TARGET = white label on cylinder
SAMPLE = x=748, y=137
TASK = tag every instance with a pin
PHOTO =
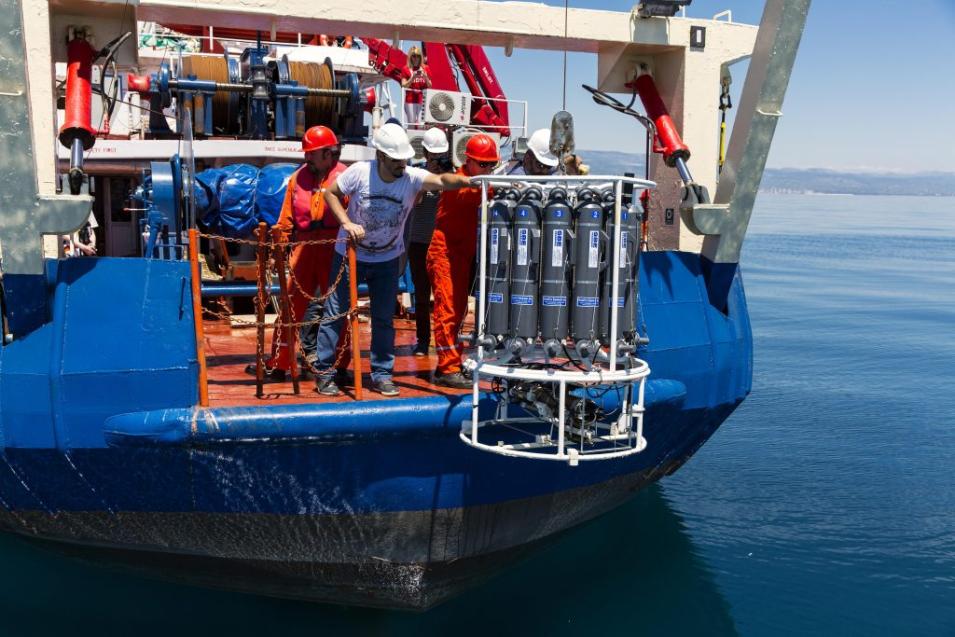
x=624, y=254
x=593, y=259
x=557, y=256
x=494, y=241
x=522, y=246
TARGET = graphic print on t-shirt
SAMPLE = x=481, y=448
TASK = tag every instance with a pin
x=380, y=207
x=380, y=218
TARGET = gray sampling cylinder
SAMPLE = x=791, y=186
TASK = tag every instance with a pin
x=629, y=268
x=590, y=259
x=525, y=265
x=497, y=303
x=556, y=223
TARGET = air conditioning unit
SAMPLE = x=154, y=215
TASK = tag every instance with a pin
x=447, y=107
x=459, y=140
x=416, y=137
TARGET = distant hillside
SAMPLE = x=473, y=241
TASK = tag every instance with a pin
x=830, y=181
x=603, y=162
x=814, y=180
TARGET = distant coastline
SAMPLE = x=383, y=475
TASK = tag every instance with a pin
x=810, y=181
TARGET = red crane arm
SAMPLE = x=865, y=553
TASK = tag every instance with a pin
x=471, y=61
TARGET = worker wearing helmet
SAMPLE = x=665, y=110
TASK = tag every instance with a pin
x=538, y=160
x=303, y=218
x=451, y=260
x=381, y=194
x=420, y=228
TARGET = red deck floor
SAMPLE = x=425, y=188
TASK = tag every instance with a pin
x=229, y=350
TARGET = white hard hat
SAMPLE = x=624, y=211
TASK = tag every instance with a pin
x=392, y=140
x=539, y=144
x=435, y=141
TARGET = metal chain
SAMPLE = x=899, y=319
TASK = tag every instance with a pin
x=344, y=348
x=254, y=242
x=322, y=297
x=225, y=314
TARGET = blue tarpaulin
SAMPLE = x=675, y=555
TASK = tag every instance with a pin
x=233, y=199
x=270, y=191
x=206, y=194
x=237, y=200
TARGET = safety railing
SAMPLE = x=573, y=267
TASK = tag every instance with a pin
x=270, y=251
x=552, y=397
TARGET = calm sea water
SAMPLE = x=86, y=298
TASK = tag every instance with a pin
x=824, y=505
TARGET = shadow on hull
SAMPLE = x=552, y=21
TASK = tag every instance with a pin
x=353, y=575
x=637, y=563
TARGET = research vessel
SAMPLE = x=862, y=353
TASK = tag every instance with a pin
x=129, y=432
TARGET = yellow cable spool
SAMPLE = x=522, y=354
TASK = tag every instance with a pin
x=319, y=110
x=216, y=69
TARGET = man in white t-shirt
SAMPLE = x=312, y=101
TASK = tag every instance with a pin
x=381, y=194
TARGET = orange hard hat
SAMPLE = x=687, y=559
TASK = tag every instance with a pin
x=482, y=147
x=318, y=137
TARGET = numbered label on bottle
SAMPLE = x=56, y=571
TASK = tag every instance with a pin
x=624, y=252
x=494, y=248
x=557, y=255
x=593, y=258
x=522, y=246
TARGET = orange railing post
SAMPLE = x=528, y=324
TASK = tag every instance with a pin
x=286, y=310
x=353, y=320
x=197, y=316
x=261, y=299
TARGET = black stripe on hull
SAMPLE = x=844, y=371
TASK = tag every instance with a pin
x=410, y=560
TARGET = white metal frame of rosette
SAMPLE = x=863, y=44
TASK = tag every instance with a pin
x=622, y=437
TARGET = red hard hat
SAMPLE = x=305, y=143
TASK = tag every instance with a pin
x=318, y=137
x=481, y=147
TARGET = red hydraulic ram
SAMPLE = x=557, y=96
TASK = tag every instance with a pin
x=77, y=133
x=675, y=152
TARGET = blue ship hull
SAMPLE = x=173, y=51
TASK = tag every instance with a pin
x=103, y=451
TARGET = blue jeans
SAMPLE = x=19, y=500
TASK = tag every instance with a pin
x=382, y=280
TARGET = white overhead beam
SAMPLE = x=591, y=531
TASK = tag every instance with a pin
x=518, y=24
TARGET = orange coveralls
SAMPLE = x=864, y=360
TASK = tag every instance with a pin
x=303, y=217
x=450, y=261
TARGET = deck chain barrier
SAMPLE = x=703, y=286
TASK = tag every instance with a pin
x=224, y=313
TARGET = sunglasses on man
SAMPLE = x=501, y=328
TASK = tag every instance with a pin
x=335, y=152
x=486, y=164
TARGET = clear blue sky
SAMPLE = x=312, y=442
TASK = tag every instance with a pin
x=873, y=87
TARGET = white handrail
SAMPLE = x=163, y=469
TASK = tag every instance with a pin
x=499, y=180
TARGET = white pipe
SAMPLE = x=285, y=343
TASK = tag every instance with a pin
x=640, y=412
x=623, y=423
x=595, y=376
x=515, y=453
x=479, y=319
x=561, y=401
x=614, y=286
x=475, y=404
x=497, y=180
